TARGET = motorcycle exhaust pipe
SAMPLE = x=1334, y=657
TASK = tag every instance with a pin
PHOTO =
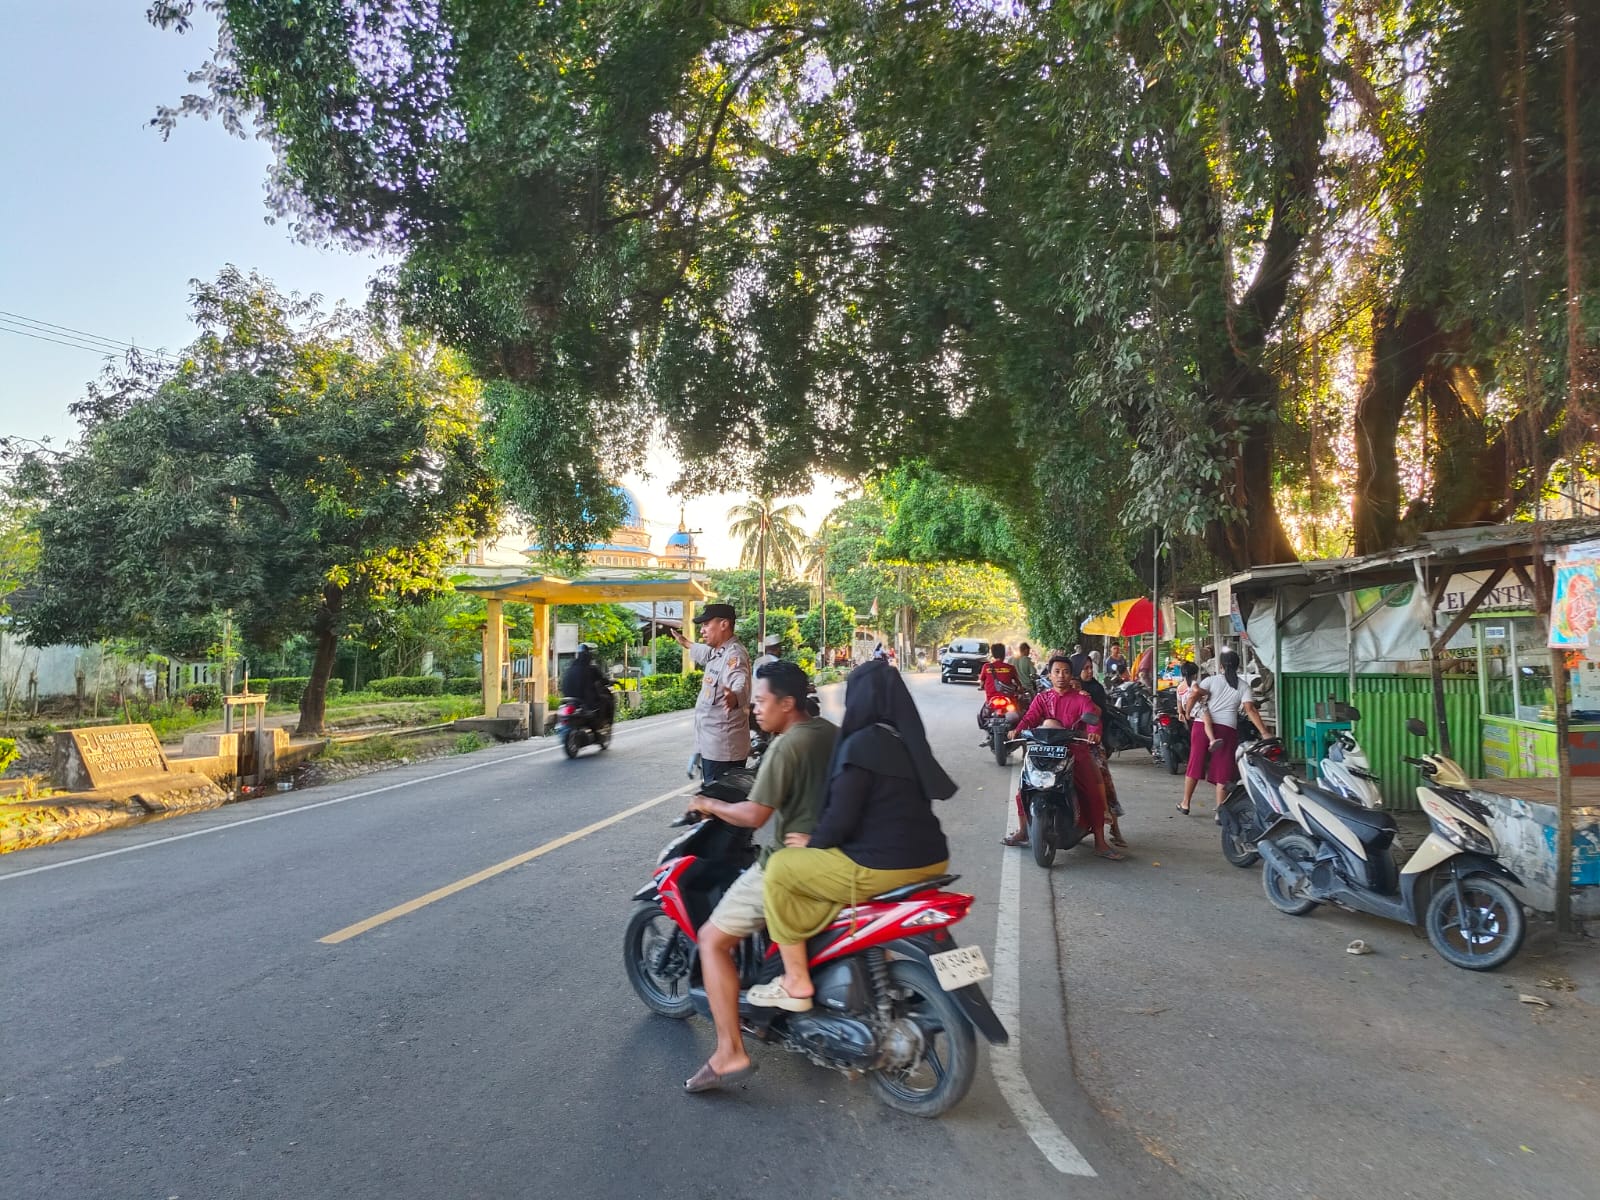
x=1283, y=864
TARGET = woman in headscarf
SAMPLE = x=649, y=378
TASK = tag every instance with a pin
x=877, y=830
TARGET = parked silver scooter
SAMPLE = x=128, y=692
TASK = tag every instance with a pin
x=1255, y=803
x=1346, y=769
x=1326, y=849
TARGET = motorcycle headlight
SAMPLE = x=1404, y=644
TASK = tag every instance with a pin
x=1454, y=830
x=1035, y=776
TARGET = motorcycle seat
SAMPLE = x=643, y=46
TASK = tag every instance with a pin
x=1371, y=825
x=916, y=889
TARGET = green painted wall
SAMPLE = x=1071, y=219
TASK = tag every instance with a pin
x=1385, y=702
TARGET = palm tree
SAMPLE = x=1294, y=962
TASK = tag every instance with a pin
x=770, y=535
x=815, y=570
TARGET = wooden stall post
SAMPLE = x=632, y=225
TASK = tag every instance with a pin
x=494, y=637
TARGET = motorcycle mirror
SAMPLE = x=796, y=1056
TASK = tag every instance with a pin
x=1416, y=728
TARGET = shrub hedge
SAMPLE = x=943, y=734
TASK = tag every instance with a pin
x=463, y=685
x=289, y=688
x=408, y=685
x=203, y=697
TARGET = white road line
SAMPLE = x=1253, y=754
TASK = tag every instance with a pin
x=287, y=812
x=1006, y=1061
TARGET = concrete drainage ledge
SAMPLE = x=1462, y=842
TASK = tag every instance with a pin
x=28, y=823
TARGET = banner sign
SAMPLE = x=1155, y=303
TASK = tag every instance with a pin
x=1576, y=598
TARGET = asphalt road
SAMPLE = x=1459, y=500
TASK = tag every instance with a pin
x=206, y=1008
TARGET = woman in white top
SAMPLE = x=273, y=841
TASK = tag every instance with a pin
x=1225, y=696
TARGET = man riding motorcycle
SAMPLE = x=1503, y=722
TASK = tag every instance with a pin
x=793, y=782
x=1065, y=706
x=584, y=682
x=999, y=678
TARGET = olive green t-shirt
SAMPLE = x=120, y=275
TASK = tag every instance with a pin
x=793, y=780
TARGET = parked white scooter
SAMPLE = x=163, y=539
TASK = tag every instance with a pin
x=1346, y=769
x=1256, y=801
x=1326, y=849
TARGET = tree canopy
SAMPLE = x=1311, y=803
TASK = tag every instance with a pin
x=292, y=469
x=1108, y=263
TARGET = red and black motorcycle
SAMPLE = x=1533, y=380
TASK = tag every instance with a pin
x=897, y=999
x=997, y=717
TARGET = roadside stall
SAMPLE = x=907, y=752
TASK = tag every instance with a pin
x=1456, y=630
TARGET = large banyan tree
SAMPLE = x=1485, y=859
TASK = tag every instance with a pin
x=1075, y=256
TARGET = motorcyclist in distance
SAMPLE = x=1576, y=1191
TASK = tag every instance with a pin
x=586, y=683
x=999, y=678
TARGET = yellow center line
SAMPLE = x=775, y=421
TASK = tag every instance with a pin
x=461, y=885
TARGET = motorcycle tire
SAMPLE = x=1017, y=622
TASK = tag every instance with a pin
x=941, y=1077
x=603, y=739
x=569, y=743
x=997, y=743
x=665, y=988
x=1300, y=848
x=1495, y=913
x=1175, y=763
x=1042, y=836
x=1235, y=841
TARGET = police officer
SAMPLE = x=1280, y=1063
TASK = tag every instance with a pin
x=722, y=712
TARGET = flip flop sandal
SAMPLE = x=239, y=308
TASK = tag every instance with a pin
x=1117, y=841
x=1181, y=809
x=707, y=1080
x=1015, y=839
x=772, y=995
x=1111, y=856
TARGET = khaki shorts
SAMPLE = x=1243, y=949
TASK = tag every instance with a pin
x=742, y=911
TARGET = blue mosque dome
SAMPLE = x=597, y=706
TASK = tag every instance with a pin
x=681, y=544
x=631, y=517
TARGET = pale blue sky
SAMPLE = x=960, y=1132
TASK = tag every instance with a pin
x=102, y=224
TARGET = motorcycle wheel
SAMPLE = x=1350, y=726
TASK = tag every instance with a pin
x=1235, y=840
x=604, y=738
x=656, y=955
x=569, y=743
x=1493, y=921
x=1175, y=764
x=1041, y=836
x=997, y=743
x=937, y=1081
x=1300, y=848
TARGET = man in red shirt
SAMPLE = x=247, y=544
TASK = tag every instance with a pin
x=1065, y=705
x=998, y=676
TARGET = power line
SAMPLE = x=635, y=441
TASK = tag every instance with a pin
x=39, y=337
x=67, y=335
x=49, y=326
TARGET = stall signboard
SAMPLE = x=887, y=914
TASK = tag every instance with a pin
x=1497, y=750
x=1575, y=600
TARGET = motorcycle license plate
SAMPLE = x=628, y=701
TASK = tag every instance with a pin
x=1037, y=751
x=958, y=968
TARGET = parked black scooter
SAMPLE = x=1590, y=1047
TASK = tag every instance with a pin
x=1169, y=735
x=1125, y=725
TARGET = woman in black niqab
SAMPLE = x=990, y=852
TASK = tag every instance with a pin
x=882, y=731
x=877, y=830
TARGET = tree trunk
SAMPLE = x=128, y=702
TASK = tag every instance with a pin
x=325, y=630
x=1256, y=536
x=761, y=636
x=1401, y=348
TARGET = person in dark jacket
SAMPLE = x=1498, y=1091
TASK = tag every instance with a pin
x=877, y=830
x=584, y=682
